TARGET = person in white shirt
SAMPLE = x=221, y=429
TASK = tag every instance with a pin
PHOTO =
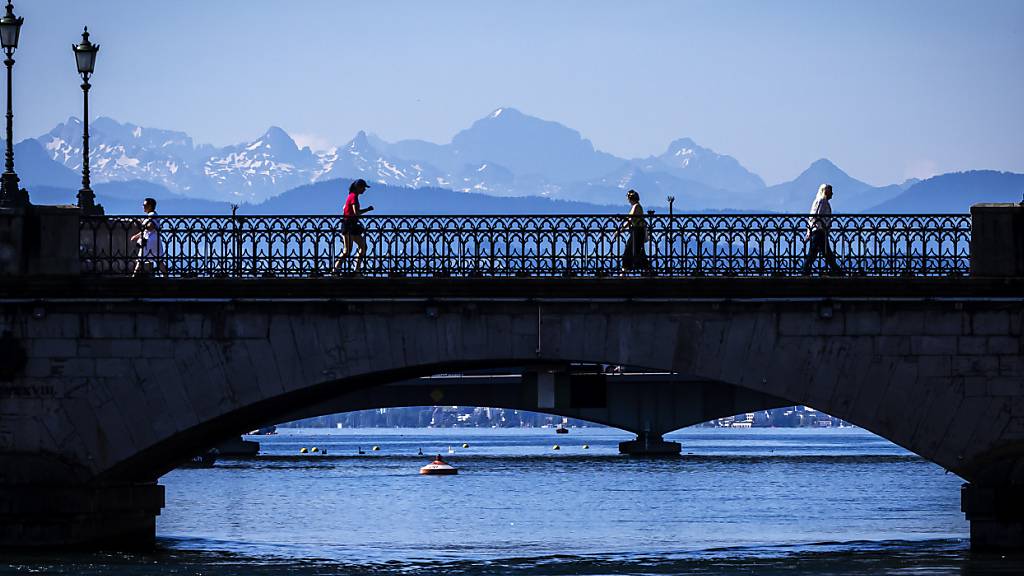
x=817, y=232
x=147, y=239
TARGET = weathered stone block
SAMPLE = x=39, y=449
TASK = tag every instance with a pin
x=948, y=322
x=810, y=323
x=975, y=385
x=150, y=326
x=70, y=367
x=1002, y=386
x=157, y=348
x=1014, y=429
x=892, y=345
x=975, y=366
x=1004, y=345
x=249, y=325
x=972, y=345
x=54, y=325
x=114, y=368
x=933, y=345
x=1011, y=366
x=188, y=325
x=994, y=322
x=38, y=367
x=903, y=322
x=52, y=347
x=110, y=325
x=956, y=443
x=110, y=348
x=866, y=322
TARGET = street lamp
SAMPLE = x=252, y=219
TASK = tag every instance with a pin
x=85, y=58
x=10, y=31
x=671, y=201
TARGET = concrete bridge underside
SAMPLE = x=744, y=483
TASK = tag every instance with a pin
x=103, y=392
x=649, y=405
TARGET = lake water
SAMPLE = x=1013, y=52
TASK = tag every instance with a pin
x=758, y=501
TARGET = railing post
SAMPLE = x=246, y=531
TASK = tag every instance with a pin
x=997, y=240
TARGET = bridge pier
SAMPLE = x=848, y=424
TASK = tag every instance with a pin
x=121, y=516
x=996, y=514
x=649, y=444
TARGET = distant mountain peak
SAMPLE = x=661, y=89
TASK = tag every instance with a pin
x=683, y=143
x=506, y=111
x=360, y=142
x=276, y=138
x=823, y=164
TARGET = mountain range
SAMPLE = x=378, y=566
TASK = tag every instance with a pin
x=505, y=154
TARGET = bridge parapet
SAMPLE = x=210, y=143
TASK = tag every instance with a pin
x=997, y=241
x=52, y=240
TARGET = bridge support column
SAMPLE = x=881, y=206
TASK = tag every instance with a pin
x=996, y=515
x=119, y=517
x=238, y=447
x=649, y=444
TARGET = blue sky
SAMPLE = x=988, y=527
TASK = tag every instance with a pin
x=886, y=89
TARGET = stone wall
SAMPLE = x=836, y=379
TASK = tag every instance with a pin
x=124, y=390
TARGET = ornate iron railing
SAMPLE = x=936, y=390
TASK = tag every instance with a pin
x=588, y=245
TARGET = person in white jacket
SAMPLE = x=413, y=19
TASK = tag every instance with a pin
x=817, y=232
x=147, y=240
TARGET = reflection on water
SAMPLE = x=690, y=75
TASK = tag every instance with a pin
x=739, y=501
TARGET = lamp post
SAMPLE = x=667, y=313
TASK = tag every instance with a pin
x=10, y=31
x=671, y=200
x=85, y=58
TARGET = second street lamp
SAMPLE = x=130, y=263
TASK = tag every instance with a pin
x=10, y=32
x=85, y=59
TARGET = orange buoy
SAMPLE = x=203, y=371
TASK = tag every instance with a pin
x=439, y=468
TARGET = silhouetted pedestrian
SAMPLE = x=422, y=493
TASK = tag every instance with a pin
x=351, y=229
x=817, y=232
x=147, y=240
x=634, y=257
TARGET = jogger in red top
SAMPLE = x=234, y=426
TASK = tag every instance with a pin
x=351, y=229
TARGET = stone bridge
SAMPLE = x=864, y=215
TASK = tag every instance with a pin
x=108, y=383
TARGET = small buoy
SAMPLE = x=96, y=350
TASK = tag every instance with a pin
x=556, y=447
x=324, y=451
x=439, y=468
x=586, y=446
x=465, y=444
x=315, y=449
x=303, y=450
x=375, y=448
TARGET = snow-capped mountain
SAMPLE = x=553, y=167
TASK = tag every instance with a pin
x=685, y=159
x=119, y=152
x=506, y=153
x=262, y=168
x=359, y=159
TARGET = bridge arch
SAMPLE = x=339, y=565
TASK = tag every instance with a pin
x=150, y=382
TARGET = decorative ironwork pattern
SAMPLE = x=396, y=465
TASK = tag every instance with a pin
x=530, y=245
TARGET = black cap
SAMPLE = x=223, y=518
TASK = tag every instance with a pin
x=357, y=185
